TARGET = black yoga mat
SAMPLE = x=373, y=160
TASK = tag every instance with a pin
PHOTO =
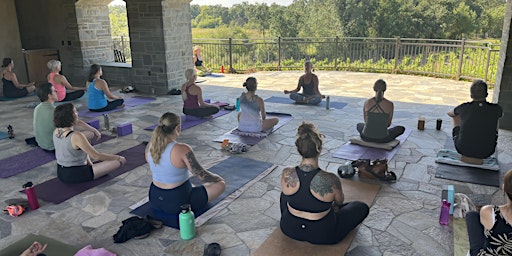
x=468, y=174
x=236, y=171
x=56, y=191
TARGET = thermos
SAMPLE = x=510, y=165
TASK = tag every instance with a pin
x=444, y=216
x=31, y=195
x=107, y=123
x=238, y=104
x=10, y=132
x=328, y=102
x=187, y=224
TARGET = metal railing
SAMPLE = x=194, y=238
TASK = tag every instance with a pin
x=122, y=50
x=457, y=59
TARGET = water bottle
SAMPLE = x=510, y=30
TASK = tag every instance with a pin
x=238, y=104
x=187, y=224
x=31, y=195
x=10, y=132
x=444, y=217
x=107, y=124
x=328, y=103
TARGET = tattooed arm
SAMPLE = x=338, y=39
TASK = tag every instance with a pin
x=325, y=183
x=289, y=181
x=196, y=169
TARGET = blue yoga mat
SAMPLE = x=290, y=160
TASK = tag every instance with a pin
x=236, y=171
x=284, y=100
x=128, y=102
x=3, y=135
x=351, y=151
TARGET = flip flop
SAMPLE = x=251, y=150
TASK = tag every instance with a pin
x=212, y=249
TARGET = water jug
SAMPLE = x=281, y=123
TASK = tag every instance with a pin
x=444, y=216
x=187, y=224
x=107, y=123
x=31, y=195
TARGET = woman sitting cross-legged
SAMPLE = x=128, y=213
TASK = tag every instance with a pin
x=312, y=200
x=99, y=92
x=60, y=83
x=489, y=231
x=193, y=103
x=252, y=116
x=11, y=87
x=378, y=114
x=74, y=152
x=309, y=85
x=171, y=163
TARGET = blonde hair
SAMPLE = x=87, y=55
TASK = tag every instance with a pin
x=190, y=73
x=507, y=184
x=196, y=48
x=379, y=87
x=309, y=141
x=166, y=126
x=53, y=64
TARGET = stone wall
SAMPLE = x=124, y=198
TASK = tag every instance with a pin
x=503, y=90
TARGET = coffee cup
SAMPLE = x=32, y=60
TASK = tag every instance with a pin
x=421, y=123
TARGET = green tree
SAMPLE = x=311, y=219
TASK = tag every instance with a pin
x=462, y=22
x=118, y=20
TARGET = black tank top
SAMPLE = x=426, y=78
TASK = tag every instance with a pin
x=303, y=200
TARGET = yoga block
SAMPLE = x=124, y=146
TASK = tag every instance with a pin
x=124, y=129
x=94, y=123
x=449, y=194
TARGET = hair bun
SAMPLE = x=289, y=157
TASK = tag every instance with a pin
x=245, y=84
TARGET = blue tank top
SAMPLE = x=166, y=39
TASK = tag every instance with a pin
x=303, y=200
x=96, y=98
x=164, y=171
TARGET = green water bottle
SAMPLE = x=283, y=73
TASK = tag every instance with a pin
x=187, y=224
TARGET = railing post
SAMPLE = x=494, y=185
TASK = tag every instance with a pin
x=122, y=45
x=489, y=49
x=231, y=55
x=461, y=58
x=336, y=54
x=278, y=53
x=397, y=52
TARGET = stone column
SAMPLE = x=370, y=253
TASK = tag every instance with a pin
x=161, y=43
x=503, y=86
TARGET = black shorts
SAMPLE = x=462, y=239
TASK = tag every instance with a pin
x=75, y=174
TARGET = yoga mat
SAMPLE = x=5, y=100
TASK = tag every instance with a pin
x=284, y=100
x=239, y=174
x=54, y=248
x=468, y=174
x=213, y=75
x=452, y=157
x=31, y=159
x=191, y=121
x=56, y=191
x=460, y=237
x=3, y=135
x=128, y=102
x=252, y=140
x=279, y=244
x=351, y=151
x=3, y=98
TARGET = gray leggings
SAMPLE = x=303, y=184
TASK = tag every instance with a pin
x=300, y=97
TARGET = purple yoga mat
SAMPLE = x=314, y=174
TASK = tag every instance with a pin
x=351, y=151
x=249, y=140
x=128, y=102
x=190, y=121
x=31, y=159
x=56, y=191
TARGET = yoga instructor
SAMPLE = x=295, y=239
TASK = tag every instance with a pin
x=171, y=164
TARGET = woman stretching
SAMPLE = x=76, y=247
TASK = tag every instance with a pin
x=192, y=95
x=12, y=88
x=74, y=152
x=171, y=163
x=312, y=201
x=378, y=114
x=252, y=117
x=99, y=92
x=60, y=83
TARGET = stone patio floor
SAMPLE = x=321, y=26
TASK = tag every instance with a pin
x=403, y=219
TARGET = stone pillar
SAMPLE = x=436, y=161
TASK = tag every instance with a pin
x=503, y=86
x=161, y=43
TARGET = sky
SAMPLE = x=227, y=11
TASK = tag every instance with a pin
x=226, y=3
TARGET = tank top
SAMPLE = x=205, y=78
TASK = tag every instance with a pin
x=250, y=115
x=308, y=89
x=303, y=200
x=66, y=155
x=8, y=85
x=59, y=88
x=376, y=125
x=164, y=171
x=198, y=62
x=96, y=98
x=497, y=239
x=191, y=102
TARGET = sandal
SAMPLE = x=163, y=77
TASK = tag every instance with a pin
x=212, y=249
x=376, y=169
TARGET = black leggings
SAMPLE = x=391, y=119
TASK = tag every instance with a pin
x=110, y=105
x=15, y=92
x=201, y=111
x=73, y=95
x=475, y=232
x=329, y=230
x=75, y=174
x=393, y=132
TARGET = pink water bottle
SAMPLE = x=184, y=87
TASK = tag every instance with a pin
x=31, y=195
x=444, y=217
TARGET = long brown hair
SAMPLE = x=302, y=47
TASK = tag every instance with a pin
x=166, y=126
x=309, y=141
